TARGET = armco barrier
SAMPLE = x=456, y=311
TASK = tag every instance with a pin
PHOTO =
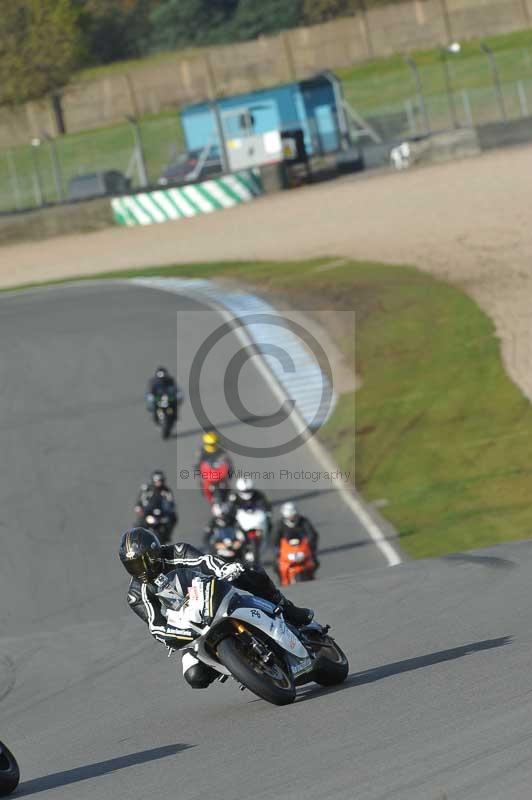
x=181, y=202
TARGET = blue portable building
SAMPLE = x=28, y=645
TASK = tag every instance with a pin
x=314, y=106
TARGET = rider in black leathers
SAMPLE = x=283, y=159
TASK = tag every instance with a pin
x=247, y=497
x=156, y=494
x=162, y=383
x=146, y=560
x=222, y=516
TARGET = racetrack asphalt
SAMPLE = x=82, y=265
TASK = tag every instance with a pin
x=438, y=702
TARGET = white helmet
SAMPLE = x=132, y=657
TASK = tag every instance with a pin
x=244, y=488
x=289, y=514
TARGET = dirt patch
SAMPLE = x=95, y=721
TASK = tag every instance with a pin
x=467, y=222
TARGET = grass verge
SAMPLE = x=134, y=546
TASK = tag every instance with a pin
x=442, y=434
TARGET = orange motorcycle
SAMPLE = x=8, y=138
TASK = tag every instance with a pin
x=296, y=562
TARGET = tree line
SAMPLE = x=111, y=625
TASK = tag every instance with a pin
x=43, y=42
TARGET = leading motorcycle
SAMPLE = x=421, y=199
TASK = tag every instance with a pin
x=9, y=771
x=166, y=413
x=247, y=638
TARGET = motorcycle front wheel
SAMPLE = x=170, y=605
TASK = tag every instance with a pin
x=332, y=666
x=166, y=427
x=271, y=680
x=9, y=771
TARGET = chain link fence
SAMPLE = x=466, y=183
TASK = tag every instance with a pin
x=413, y=99
x=41, y=173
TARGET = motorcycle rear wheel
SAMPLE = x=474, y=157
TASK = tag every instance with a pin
x=9, y=771
x=272, y=682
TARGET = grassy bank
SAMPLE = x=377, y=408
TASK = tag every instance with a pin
x=442, y=435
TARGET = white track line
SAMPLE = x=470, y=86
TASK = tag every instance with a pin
x=374, y=532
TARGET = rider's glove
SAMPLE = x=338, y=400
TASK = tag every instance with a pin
x=230, y=572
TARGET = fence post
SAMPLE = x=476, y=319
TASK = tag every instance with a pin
x=366, y=29
x=523, y=99
x=409, y=108
x=289, y=53
x=56, y=169
x=448, y=88
x=132, y=96
x=419, y=88
x=37, y=182
x=446, y=21
x=496, y=78
x=467, y=108
x=211, y=78
x=15, y=186
x=216, y=112
x=139, y=152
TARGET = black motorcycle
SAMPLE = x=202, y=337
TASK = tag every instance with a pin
x=166, y=413
x=161, y=521
x=229, y=543
x=9, y=771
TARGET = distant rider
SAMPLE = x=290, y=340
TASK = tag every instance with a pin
x=246, y=497
x=212, y=457
x=212, y=452
x=157, y=494
x=162, y=383
x=293, y=524
x=222, y=516
x=147, y=561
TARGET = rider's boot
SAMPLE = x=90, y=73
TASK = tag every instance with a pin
x=257, y=581
x=295, y=615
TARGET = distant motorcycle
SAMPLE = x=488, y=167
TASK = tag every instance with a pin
x=215, y=480
x=160, y=521
x=254, y=524
x=166, y=414
x=296, y=562
x=9, y=771
x=229, y=543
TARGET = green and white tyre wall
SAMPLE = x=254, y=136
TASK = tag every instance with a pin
x=148, y=208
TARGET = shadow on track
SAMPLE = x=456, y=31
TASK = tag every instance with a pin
x=295, y=498
x=408, y=665
x=220, y=426
x=69, y=776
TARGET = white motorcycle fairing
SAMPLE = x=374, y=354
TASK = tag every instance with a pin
x=195, y=612
x=252, y=520
x=275, y=629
